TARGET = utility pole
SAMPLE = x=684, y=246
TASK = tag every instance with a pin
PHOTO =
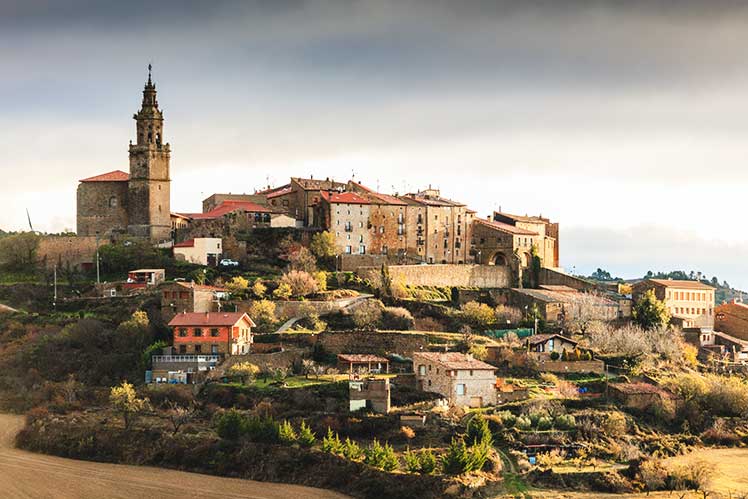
x=98, y=276
x=54, y=300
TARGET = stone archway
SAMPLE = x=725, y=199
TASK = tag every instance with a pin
x=499, y=258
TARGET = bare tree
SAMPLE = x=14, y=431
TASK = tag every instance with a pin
x=179, y=415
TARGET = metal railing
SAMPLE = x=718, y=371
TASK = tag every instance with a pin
x=200, y=359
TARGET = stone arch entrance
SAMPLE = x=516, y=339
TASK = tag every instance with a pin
x=499, y=258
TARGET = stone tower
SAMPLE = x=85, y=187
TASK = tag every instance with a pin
x=149, y=185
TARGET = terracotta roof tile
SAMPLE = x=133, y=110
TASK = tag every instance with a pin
x=344, y=198
x=208, y=319
x=675, y=283
x=115, y=176
x=509, y=229
x=456, y=360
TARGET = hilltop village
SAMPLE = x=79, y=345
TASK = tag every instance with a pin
x=323, y=333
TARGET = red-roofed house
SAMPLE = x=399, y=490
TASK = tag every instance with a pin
x=462, y=379
x=224, y=333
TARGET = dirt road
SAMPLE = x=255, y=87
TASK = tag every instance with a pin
x=25, y=475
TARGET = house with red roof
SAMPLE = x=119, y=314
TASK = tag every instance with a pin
x=215, y=333
x=345, y=215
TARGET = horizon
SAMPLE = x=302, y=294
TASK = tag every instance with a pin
x=624, y=124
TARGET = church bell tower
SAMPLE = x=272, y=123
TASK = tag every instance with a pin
x=149, y=210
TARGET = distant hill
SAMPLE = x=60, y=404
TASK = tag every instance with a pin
x=724, y=292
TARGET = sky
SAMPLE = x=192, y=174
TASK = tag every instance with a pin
x=626, y=122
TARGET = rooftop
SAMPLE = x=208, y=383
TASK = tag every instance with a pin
x=377, y=197
x=208, y=319
x=114, y=176
x=509, y=229
x=676, y=283
x=228, y=207
x=344, y=198
x=521, y=218
x=542, y=338
x=311, y=184
x=360, y=357
x=553, y=296
x=456, y=360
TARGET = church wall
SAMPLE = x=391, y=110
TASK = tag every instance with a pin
x=102, y=208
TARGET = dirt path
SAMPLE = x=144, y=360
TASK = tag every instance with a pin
x=25, y=475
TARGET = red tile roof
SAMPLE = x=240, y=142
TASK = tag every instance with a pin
x=115, y=176
x=510, y=229
x=344, y=198
x=379, y=198
x=456, y=360
x=209, y=319
x=190, y=243
x=228, y=207
x=192, y=285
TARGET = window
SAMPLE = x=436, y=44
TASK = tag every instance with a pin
x=214, y=332
x=471, y=372
x=198, y=348
x=182, y=332
x=348, y=250
x=422, y=370
x=197, y=332
x=183, y=349
x=460, y=388
x=214, y=348
x=113, y=202
x=362, y=250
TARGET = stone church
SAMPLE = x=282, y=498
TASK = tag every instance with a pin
x=137, y=204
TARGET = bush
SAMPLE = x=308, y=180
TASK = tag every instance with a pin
x=261, y=429
x=397, y=318
x=545, y=423
x=263, y=312
x=524, y=423
x=381, y=456
x=301, y=283
x=565, y=422
x=423, y=462
x=286, y=433
x=351, y=450
x=306, y=435
x=367, y=315
x=229, y=425
x=283, y=291
x=478, y=432
x=460, y=458
x=478, y=315
x=554, y=355
x=331, y=443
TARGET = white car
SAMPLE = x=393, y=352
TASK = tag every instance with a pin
x=227, y=262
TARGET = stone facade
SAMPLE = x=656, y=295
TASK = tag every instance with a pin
x=438, y=229
x=179, y=297
x=65, y=251
x=479, y=276
x=690, y=301
x=346, y=216
x=378, y=343
x=137, y=204
x=215, y=200
x=461, y=379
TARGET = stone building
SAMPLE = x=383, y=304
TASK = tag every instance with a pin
x=138, y=203
x=558, y=305
x=387, y=217
x=437, y=229
x=460, y=378
x=215, y=200
x=179, y=297
x=691, y=303
x=511, y=240
x=346, y=216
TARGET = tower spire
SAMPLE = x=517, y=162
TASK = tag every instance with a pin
x=150, y=67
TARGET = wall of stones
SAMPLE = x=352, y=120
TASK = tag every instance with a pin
x=95, y=212
x=553, y=277
x=478, y=276
x=66, y=250
x=577, y=366
x=377, y=343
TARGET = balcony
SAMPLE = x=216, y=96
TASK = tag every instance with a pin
x=192, y=359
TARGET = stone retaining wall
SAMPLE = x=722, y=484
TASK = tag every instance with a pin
x=468, y=276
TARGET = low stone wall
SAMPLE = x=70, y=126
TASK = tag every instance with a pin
x=67, y=250
x=378, y=343
x=576, y=366
x=351, y=263
x=556, y=278
x=468, y=276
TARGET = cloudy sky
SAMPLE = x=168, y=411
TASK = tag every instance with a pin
x=627, y=122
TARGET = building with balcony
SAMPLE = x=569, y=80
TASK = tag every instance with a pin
x=215, y=333
x=690, y=303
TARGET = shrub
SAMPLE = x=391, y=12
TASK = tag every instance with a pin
x=306, y=435
x=237, y=285
x=367, y=315
x=321, y=280
x=548, y=460
x=331, y=443
x=229, y=425
x=381, y=456
x=545, y=423
x=263, y=312
x=244, y=370
x=478, y=432
x=652, y=474
x=323, y=245
x=478, y=315
x=565, y=422
x=351, y=450
x=301, y=283
x=397, y=318
x=286, y=433
x=259, y=289
x=261, y=429
x=460, y=458
x=554, y=355
x=507, y=419
x=283, y=291
x=524, y=423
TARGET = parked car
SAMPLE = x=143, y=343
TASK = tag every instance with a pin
x=227, y=262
